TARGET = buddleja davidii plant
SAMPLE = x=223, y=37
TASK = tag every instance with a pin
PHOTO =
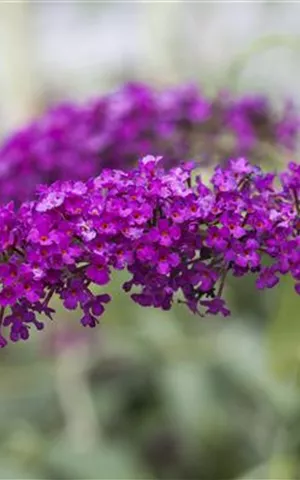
x=177, y=237
x=77, y=141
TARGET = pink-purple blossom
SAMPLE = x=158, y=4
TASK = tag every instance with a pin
x=76, y=142
x=177, y=237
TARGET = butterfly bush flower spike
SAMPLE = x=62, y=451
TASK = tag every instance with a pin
x=177, y=238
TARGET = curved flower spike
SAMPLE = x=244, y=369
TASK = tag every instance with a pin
x=177, y=238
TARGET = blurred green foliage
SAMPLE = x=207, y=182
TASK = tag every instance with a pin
x=154, y=394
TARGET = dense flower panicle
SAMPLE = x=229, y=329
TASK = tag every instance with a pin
x=177, y=237
x=76, y=142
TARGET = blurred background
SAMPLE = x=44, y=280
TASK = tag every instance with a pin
x=152, y=394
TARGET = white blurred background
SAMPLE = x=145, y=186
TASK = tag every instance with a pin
x=53, y=50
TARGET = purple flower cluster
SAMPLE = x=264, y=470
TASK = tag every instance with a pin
x=177, y=237
x=73, y=142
